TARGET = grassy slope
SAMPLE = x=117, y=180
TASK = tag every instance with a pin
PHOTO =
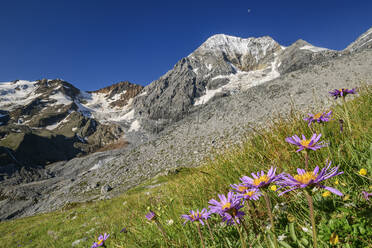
x=192, y=188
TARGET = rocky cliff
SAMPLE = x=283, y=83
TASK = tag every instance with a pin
x=55, y=116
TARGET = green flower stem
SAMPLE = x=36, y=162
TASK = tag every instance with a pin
x=161, y=229
x=346, y=113
x=312, y=217
x=200, y=234
x=268, y=206
x=210, y=231
x=240, y=235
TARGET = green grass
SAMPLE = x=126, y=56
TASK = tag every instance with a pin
x=349, y=217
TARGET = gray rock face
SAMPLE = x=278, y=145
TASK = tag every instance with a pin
x=301, y=54
x=187, y=132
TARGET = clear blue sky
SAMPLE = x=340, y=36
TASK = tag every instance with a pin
x=95, y=43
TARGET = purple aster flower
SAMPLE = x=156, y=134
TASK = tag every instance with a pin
x=310, y=179
x=319, y=117
x=305, y=143
x=341, y=92
x=366, y=195
x=250, y=194
x=239, y=188
x=228, y=208
x=260, y=179
x=101, y=240
x=196, y=216
x=151, y=216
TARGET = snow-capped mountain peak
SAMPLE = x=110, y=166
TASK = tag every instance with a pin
x=256, y=47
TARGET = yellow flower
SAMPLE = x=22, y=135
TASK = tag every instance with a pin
x=363, y=172
x=370, y=187
x=336, y=182
x=346, y=197
x=326, y=194
x=291, y=218
x=273, y=188
x=334, y=239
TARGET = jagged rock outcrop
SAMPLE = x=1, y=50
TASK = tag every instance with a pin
x=121, y=92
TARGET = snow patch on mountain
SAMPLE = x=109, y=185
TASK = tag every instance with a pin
x=18, y=93
x=313, y=48
x=135, y=126
x=53, y=126
x=257, y=47
x=207, y=96
x=61, y=99
x=98, y=106
x=242, y=80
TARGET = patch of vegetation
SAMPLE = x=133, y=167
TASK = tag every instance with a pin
x=347, y=217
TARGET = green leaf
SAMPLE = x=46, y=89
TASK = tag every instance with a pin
x=304, y=241
x=292, y=232
x=362, y=230
x=285, y=244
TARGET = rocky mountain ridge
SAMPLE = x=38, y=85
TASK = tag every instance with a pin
x=202, y=104
x=54, y=115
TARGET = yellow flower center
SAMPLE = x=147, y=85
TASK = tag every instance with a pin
x=263, y=178
x=100, y=241
x=249, y=193
x=193, y=216
x=273, y=188
x=305, y=142
x=306, y=177
x=326, y=194
x=363, y=172
x=318, y=115
x=242, y=188
x=227, y=205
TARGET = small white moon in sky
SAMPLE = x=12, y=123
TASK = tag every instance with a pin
x=249, y=10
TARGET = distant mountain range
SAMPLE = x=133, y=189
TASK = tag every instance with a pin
x=55, y=134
